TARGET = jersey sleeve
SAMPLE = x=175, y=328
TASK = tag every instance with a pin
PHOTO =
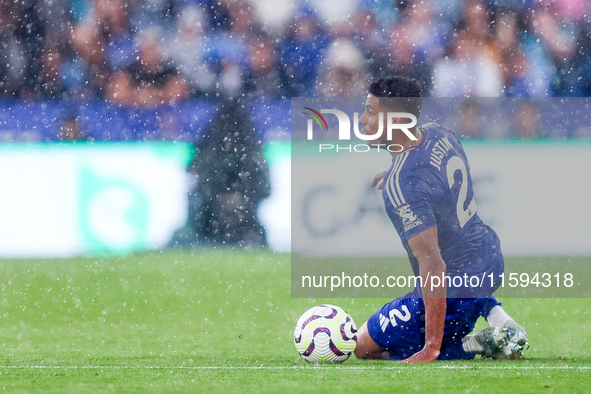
x=411, y=198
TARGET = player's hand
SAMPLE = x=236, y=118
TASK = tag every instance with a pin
x=376, y=179
x=426, y=355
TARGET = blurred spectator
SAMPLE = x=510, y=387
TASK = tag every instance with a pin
x=416, y=43
x=12, y=51
x=450, y=11
x=22, y=36
x=570, y=10
x=477, y=22
x=90, y=63
x=428, y=36
x=150, y=80
x=264, y=79
x=466, y=72
x=145, y=13
x=112, y=17
x=344, y=73
x=371, y=41
x=583, y=59
x=31, y=34
x=516, y=73
x=232, y=178
x=189, y=51
x=219, y=14
x=385, y=12
x=114, y=27
x=230, y=49
x=88, y=49
x=559, y=44
x=241, y=19
x=302, y=53
x=473, y=67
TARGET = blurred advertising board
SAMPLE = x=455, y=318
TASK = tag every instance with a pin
x=67, y=199
x=533, y=193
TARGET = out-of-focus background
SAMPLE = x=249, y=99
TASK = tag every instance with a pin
x=144, y=124
x=87, y=50
x=138, y=137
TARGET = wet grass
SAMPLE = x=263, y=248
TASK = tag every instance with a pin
x=221, y=321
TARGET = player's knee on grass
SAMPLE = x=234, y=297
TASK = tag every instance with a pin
x=366, y=348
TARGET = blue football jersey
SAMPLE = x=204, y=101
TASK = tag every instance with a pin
x=430, y=186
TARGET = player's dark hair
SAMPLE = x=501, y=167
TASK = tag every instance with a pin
x=399, y=94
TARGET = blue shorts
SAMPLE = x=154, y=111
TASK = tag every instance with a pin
x=399, y=326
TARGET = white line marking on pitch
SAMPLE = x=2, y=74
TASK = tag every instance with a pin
x=503, y=367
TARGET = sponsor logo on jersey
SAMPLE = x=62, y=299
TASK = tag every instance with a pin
x=409, y=219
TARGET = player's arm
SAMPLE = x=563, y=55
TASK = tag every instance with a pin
x=377, y=178
x=425, y=247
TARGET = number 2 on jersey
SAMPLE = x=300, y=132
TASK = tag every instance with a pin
x=454, y=164
x=395, y=313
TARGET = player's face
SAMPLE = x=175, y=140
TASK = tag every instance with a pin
x=370, y=119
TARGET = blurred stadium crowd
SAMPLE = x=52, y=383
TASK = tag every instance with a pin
x=151, y=52
x=108, y=70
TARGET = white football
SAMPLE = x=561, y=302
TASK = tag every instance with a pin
x=325, y=334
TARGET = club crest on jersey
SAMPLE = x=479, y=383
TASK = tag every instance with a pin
x=409, y=219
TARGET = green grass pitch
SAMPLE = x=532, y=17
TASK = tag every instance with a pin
x=221, y=321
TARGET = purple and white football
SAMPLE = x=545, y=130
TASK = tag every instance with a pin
x=325, y=334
